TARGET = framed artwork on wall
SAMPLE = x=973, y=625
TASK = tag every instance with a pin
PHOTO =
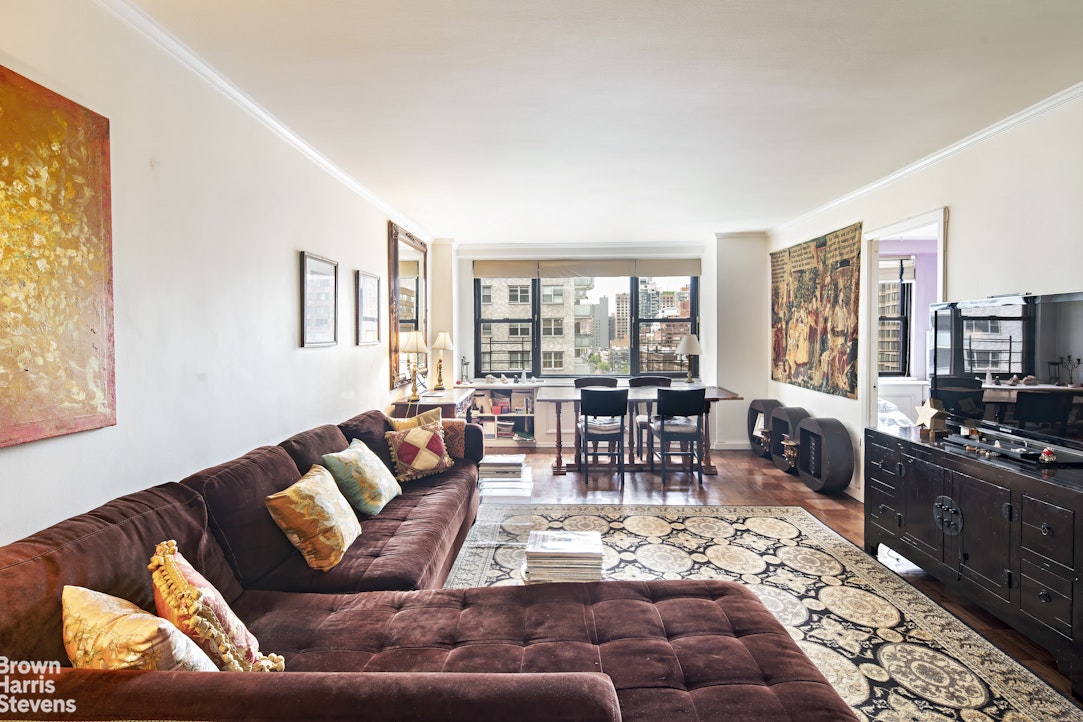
x=368, y=308
x=56, y=265
x=319, y=301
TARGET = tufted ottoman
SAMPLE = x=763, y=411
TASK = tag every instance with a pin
x=674, y=650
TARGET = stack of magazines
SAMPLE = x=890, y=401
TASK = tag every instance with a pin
x=503, y=478
x=563, y=556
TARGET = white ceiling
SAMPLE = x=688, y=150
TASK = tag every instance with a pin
x=630, y=121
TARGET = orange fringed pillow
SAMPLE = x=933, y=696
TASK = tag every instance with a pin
x=183, y=596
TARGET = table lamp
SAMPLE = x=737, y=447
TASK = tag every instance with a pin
x=688, y=347
x=443, y=343
x=413, y=342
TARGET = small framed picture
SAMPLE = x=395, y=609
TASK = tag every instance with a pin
x=319, y=301
x=368, y=308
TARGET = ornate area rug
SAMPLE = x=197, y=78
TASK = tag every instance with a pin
x=892, y=653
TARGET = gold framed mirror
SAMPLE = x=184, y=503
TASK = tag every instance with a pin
x=407, y=256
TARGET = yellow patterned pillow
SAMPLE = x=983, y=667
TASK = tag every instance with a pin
x=316, y=518
x=183, y=596
x=418, y=452
x=427, y=417
x=106, y=632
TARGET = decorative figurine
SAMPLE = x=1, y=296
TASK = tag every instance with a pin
x=1070, y=367
x=931, y=415
x=1048, y=456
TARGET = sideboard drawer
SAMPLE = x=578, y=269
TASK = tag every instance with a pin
x=1049, y=530
x=1046, y=597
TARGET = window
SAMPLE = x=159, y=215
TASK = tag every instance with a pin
x=552, y=294
x=519, y=294
x=894, y=301
x=986, y=361
x=620, y=325
x=981, y=325
x=552, y=360
x=504, y=330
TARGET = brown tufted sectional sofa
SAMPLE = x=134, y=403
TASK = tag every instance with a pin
x=375, y=638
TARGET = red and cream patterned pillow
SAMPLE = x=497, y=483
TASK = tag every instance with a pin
x=185, y=597
x=419, y=451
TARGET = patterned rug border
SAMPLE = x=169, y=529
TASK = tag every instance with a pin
x=1000, y=672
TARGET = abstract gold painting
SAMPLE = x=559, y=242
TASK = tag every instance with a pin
x=56, y=274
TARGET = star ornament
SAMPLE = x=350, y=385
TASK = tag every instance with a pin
x=931, y=414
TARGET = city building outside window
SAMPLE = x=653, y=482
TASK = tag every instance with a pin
x=620, y=325
x=519, y=294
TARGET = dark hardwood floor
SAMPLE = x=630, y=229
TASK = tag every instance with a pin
x=744, y=478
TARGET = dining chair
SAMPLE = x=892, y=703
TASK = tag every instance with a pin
x=642, y=410
x=679, y=418
x=584, y=382
x=603, y=416
x=1044, y=409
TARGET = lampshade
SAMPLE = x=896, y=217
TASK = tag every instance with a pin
x=689, y=345
x=413, y=342
x=443, y=342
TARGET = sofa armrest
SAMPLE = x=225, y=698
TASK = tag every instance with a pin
x=475, y=442
x=371, y=696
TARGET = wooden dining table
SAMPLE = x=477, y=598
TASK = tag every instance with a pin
x=560, y=395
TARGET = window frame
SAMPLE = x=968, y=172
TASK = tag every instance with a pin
x=483, y=358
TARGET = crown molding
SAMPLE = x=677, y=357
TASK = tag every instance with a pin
x=141, y=23
x=556, y=251
x=1024, y=116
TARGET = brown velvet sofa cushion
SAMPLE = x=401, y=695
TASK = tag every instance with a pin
x=675, y=650
x=372, y=697
x=106, y=550
x=308, y=447
x=411, y=544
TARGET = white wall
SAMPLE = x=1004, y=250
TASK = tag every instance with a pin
x=210, y=211
x=742, y=281
x=1015, y=215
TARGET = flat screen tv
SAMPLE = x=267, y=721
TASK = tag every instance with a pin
x=1011, y=364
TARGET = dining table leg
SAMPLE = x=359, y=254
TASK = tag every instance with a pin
x=558, y=465
x=708, y=465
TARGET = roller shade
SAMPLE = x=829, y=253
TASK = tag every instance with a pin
x=589, y=268
x=889, y=268
x=505, y=269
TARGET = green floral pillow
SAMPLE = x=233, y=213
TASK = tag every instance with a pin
x=363, y=479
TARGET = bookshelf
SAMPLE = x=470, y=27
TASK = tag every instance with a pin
x=505, y=413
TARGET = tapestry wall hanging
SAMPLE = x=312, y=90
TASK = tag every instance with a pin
x=56, y=270
x=814, y=310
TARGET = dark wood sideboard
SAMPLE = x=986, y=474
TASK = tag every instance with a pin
x=1004, y=534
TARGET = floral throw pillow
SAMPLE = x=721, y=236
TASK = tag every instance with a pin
x=362, y=478
x=183, y=596
x=419, y=451
x=316, y=518
x=106, y=632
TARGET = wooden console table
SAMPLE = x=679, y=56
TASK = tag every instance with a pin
x=452, y=403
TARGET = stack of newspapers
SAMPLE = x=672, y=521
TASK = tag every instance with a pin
x=563, y=556
x=504, y=478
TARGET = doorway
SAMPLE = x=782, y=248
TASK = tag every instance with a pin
x=905, y=268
